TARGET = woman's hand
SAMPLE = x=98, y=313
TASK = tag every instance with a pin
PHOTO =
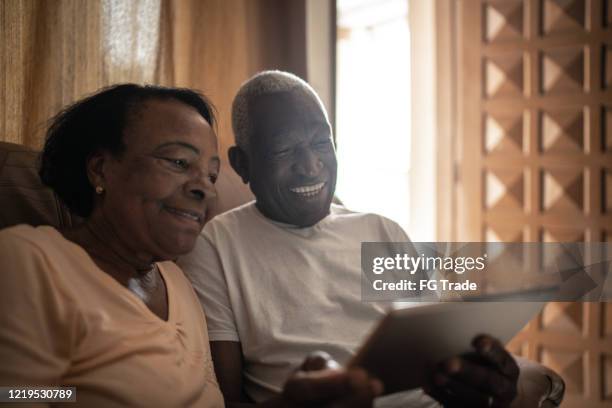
x=320, y=382
x=486, y=377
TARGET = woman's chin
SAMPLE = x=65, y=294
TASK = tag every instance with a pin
x=174, y=248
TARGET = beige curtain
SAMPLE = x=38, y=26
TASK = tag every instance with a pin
x=56, y=51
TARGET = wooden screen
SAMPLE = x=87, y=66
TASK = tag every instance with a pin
x=535, y=118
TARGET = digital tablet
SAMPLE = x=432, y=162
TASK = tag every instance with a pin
x=407, y=343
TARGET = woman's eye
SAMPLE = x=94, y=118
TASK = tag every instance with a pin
x=178, y=163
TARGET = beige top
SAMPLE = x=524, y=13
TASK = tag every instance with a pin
x=63, y=321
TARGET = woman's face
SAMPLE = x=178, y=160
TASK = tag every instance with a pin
x=157, y=192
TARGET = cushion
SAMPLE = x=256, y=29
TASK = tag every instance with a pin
x=23, y=197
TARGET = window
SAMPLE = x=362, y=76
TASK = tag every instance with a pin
x=373, y=107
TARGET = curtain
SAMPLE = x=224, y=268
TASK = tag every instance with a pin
x=57, y=51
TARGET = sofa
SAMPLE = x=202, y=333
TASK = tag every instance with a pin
x=23, y=199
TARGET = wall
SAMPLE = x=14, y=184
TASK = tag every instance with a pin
x=55, y=52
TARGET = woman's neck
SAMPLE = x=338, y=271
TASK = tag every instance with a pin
x=98, y=237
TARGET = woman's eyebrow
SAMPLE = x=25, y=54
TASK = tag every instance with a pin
x=179, y=143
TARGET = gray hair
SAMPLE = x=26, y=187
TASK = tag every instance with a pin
x=265, y=82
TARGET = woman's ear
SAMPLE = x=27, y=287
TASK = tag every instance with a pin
x=95, y=169
x=239, y=161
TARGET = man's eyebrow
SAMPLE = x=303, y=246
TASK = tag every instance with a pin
x=179, y=143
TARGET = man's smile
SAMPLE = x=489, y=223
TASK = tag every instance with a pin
x=308, y=191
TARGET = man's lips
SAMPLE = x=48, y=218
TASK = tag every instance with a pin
x=192, y=215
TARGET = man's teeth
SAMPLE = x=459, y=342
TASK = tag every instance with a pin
x=309, y=191
x=191, y=216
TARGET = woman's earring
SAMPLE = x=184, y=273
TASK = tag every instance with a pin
x=99, y=189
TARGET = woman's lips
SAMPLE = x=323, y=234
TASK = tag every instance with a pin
x=186, y=214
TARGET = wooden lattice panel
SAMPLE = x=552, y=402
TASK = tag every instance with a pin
x=504, y=75
x=535, y=106
x=607, y=185
x=504, y=233
x=607, y=66
x=503, y=133
x=607, y=322
x=606, y=128
x=519, y=348
x=562, y=130
x=562, y=190
x=562, y=234
x=607, y=377
x=563, y=317
x=562, y=69
x=504, y=190
x=503, y=20
x=571, y=364
x=562, y=16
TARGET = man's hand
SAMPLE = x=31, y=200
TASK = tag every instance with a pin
x=321, y=383
x=486, y=377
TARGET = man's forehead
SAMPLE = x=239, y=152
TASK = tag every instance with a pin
x=285, y=107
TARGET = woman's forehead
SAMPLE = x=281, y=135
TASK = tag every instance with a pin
x=157, y=121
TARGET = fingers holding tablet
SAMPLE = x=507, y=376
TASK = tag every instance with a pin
x=486, y=377
x=492, y=351
x=321, y=383
x=318, y=360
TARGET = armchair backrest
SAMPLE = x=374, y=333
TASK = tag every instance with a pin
x=23, y=197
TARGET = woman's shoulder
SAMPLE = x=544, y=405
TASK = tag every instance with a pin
x=171, y=271
x=33, y=250
x=32, y=258
x=26, y=236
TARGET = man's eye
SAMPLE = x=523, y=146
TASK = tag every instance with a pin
x=323, y=144
x=282, y=153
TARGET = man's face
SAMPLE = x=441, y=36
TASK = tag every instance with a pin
x=292, y=162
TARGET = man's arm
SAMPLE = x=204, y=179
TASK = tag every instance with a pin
x=227, y=359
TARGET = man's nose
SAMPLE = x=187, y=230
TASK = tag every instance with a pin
x=308, y=163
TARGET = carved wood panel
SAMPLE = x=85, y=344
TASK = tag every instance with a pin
x=535, y=117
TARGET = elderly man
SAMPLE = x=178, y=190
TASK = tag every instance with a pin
x=280, y=277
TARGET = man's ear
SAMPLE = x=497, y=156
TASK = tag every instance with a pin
x=239, y=161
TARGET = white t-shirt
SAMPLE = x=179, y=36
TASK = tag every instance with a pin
x=284, y=291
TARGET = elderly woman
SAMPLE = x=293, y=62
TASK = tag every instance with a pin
x=101, y=307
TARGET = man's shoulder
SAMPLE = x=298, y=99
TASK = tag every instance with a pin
x=342, y=213
x=367, y=223
x=233, y=216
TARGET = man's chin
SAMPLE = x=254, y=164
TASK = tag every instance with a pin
x=309, y=219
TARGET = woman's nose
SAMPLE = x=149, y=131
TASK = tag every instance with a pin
x=200, y=186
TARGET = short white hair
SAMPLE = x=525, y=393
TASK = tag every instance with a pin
x=266, y=82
